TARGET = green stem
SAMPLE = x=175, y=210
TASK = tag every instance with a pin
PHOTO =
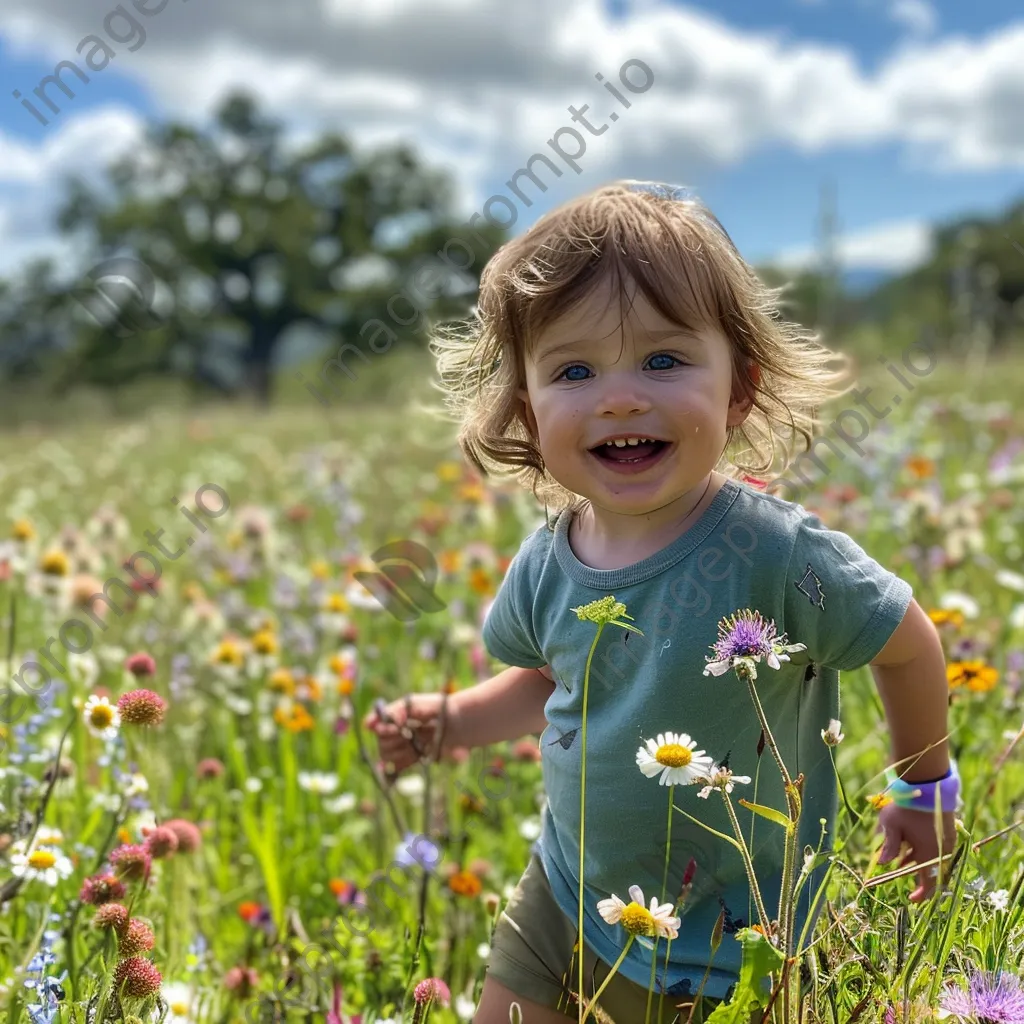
x=664, y=892
x=604, y=984
x=583, y=795
x=747, y=863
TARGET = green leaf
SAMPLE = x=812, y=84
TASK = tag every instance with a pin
x=770, y=813
x=759, y=959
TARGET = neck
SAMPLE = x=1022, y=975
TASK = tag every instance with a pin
x=624, y=539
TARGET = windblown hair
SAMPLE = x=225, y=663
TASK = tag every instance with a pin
x=686, y=265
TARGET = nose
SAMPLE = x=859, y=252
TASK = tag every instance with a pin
x=622, y=394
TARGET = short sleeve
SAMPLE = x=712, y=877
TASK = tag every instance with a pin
x=507, y=631
x=839, y=601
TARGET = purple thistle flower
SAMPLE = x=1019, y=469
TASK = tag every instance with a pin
x=744, y=638
x=990, y=1000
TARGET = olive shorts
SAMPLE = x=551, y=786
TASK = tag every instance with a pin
x=532, y=955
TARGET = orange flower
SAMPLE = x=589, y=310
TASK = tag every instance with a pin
x=450, y=561
x=340, y=887
x=978, y=676
x=920, y=466
x=311, y=689
x=247, y=910
x=879, y=800
x=345, y=687
x=946, y=616
x=480, y=582
x=124, y=835
x=282, y=681
x=465, y=883
x=471, y=492
x=295, y=719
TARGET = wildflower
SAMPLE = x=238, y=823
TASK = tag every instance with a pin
x=228, y=655
x=673, y=755
x=178, y=998
x=141, y=707
x=978, y=676
x=54, y=563
x=1011, y=580
x=23, y=530
x=318, y=782
x=139, y=977
x=209, y=768
x=605, y=611
x=282, y=681
x=161, y=842
x=101, y=889
x=963, y=603
x=1000, y=899
x=140, y=664
x=189, y=837
x=879, y=800
x=722, y=778
x=636, y=918
x=465, y=883
x=432, y=990
x=42, y=864
x=264, y=642
x=241, y=981
x=417, y=849
x=990, y=999
x=341, y=804
x=137, y=938
x=832, y=736
x=102, y=719
x=920, y=467
x=130, y=861
x=743, y=640
x=411, y=786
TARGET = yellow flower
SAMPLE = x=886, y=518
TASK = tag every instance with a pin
x=282, y=680
x=978, y=676
x=336, y=604
x=449, y=562
x=229, y=652
x=471, y=492
x=946, y=616
x=879, y=800
x=319, y=568
x=480, y=582
x=23, y=530
x=636, y=918
x=449, y=472
x=921, y=467
x=264, y=642
x=55, y=563
x=42, y=859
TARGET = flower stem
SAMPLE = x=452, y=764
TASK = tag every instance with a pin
x=604, y=984
x=664, y=892
x=583, y=795
x=747, y=863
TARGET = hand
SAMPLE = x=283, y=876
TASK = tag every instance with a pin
x=916, y=829
x=407, y=729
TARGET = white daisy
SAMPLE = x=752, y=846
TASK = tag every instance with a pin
x=178, y=997
x=318, y=782
x=636, y=918
x=411, y=786
x=341, y=804
x=673, y=755
x=44, y=863
x=1013, y=580
x=101, y=717
x=722, y=779
x=832, y=736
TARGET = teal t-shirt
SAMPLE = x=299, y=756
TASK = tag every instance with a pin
x=747, y=550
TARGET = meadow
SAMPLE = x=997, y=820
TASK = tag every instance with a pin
x=192, y=824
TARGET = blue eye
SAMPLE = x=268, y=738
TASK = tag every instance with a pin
x=662, y=355
x=575, y=366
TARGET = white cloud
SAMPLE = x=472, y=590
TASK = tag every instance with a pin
x=896, y=246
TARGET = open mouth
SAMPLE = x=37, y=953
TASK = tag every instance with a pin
x=630, y=454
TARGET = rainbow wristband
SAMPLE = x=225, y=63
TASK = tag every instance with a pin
x=920, y=796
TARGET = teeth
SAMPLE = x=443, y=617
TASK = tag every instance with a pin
x=621, y=442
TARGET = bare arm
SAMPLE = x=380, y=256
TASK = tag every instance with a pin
x=505, y=707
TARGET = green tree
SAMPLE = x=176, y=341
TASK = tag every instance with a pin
x=242, y=237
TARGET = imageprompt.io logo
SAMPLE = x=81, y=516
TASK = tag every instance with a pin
x=405, y=584
x=118, y=295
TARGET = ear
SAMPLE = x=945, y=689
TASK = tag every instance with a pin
x=742, y=399
x=527, y=413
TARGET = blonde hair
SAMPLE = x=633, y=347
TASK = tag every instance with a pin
x=687, y=267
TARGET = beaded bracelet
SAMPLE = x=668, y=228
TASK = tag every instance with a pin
x=920, y=796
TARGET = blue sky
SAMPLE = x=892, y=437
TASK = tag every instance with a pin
x=914, y=109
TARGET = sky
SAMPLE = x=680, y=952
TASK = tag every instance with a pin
x=911, y=112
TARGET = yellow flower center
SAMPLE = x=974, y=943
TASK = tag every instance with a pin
x=264, y=643
x=55, y=563
x=637, y=920
x=674, y=755
x=101, y=716
x=320, y=569
x=336, y=603
x=228, y=653
x=179, y=1009
x=23, y=530
x=41, y=859
x=283, y=681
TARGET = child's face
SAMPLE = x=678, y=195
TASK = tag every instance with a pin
x=648, y=379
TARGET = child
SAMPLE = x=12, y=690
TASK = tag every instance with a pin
x=622, y=345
